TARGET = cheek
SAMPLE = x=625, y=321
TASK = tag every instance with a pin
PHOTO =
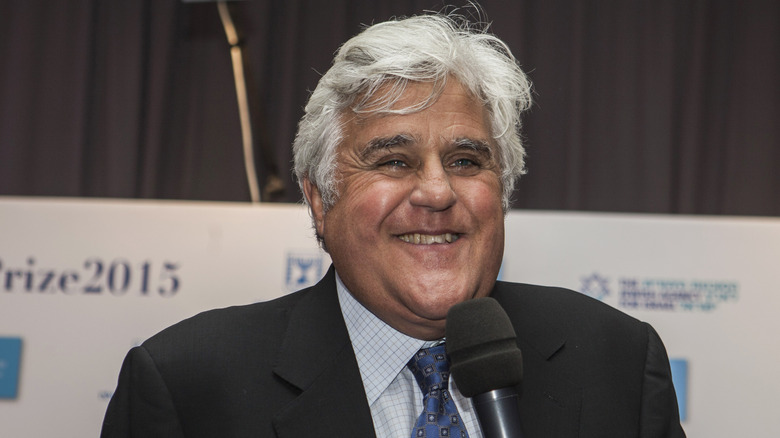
x=369, y=204
x=483, y=199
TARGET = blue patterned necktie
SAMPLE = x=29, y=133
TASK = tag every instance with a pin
x=431, y=368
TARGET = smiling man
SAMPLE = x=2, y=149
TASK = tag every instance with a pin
x=418, y=224
x=406, y=155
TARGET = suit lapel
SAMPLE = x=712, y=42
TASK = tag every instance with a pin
x=317, y=358
x=550, y=405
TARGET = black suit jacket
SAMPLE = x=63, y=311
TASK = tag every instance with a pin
x=285, y=368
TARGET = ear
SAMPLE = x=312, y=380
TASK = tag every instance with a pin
x=314, y=198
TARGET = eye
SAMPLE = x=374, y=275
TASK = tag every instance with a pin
x=464, y=162
x=395, y=163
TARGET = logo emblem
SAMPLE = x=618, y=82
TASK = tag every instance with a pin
x=303, y=270
x=595, y=286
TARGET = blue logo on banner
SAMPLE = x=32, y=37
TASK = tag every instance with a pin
x=10, y=356
x=680, y=380
x=303, y=270
x=595, y=286
x=660, y=294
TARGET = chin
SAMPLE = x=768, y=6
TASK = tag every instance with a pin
x=436, y=307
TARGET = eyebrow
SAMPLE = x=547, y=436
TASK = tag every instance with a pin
x=382, y=143
x=477, y=146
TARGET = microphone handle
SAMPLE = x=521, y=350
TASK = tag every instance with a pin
x=498, y=412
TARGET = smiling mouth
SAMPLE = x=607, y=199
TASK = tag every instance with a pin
x=429, y=239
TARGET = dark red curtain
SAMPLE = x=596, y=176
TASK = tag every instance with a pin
x=663, y=106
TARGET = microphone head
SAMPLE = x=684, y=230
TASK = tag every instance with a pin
x=482, y=346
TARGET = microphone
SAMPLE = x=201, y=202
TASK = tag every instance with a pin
x=488, y=366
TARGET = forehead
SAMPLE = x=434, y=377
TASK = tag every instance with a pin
x=421, y=110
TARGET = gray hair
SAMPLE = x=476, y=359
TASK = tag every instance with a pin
x=425, y=48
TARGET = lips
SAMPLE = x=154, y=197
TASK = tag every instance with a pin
x=428, y=239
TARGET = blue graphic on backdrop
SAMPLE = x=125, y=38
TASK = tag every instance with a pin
x=303, y=270
x=10, y=356
x=674, y=295
x=595, y=286
x=680, y=381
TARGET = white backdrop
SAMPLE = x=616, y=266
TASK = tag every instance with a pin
x=81, y=281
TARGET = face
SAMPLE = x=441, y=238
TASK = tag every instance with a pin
x=418, y=224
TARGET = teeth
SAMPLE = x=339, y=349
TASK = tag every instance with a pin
x=428, y=239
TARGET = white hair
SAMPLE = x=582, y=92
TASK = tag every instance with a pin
x=389, y=55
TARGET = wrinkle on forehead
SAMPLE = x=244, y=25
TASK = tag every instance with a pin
x=393, y=97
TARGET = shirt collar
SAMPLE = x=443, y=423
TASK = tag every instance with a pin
x=381, y=351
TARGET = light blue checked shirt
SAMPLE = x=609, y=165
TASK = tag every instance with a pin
x=382, y=352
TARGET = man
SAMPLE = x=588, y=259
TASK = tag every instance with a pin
x=407, y=155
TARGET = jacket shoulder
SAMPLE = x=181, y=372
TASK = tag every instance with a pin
x=560, y=306
x=223, y=335
x=568, y=324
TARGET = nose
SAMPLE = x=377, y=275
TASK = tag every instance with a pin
x=433, y=189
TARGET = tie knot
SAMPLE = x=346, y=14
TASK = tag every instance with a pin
x=431, y=368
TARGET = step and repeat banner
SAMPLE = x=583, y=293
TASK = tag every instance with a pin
x=83, y=281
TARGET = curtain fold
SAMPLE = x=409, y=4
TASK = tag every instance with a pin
x=643, y=106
